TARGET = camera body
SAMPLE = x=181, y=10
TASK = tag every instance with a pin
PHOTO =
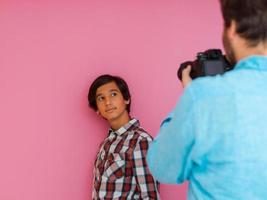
x=208, y=63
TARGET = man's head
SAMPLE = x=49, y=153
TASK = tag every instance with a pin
x=109, y=96
x=248, y=20
x=245, y=31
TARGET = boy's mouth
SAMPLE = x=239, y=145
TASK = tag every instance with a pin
x=110, y=110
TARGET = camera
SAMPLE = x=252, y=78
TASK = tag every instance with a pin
x=208, y=63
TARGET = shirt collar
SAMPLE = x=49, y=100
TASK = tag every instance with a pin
x=253, y=62
x=129, y=126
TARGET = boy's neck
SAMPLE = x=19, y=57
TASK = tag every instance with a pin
x=121, y=121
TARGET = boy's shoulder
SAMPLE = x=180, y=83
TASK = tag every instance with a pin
x=141, y=133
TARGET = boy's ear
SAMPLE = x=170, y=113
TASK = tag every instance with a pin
x=127, y=101
x=97, y=112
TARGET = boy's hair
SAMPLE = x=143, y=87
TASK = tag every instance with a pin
x=250, y=17
x=104, y=79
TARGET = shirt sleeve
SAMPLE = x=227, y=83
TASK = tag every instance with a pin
x=170, y=154
x=146, y=184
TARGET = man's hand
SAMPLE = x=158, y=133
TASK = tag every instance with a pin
x=186, y=79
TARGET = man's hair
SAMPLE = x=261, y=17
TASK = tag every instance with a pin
x=104, y=79
x=250, y=17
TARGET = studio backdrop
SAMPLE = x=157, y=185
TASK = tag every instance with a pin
x=51, y=51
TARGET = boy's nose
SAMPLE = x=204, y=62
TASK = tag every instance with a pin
x=108, y=102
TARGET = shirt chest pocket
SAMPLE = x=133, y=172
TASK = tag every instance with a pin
x=114, y=166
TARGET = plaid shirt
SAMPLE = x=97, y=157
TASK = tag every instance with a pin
x=120, y=170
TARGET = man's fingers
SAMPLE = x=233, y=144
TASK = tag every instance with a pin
x=187, y=70
x=186, y=79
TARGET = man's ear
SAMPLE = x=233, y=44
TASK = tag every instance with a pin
x=231, y=30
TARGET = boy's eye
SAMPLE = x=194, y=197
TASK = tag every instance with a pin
x=100, y=98
x=113, y=94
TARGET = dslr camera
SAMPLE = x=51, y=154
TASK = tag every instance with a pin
x=208, y=63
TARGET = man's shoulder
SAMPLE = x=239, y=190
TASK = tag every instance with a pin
x=209, y=87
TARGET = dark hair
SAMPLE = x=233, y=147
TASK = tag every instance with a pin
x=104, y=79
x=250, y=17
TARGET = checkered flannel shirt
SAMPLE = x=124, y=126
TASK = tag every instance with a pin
x=120, y=170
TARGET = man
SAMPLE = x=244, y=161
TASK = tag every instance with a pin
x=120, y=170
x=216, y=137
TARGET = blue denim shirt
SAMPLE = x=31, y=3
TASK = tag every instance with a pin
x=216, y=137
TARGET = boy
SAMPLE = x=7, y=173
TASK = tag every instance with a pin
x=120, y=170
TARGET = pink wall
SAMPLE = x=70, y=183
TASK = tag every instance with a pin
x=50, y=51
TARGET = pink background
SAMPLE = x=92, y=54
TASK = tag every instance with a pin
x=50, y=52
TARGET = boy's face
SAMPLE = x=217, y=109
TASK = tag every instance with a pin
x=110, y=102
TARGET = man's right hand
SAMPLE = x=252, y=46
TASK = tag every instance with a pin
x=186, y=79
